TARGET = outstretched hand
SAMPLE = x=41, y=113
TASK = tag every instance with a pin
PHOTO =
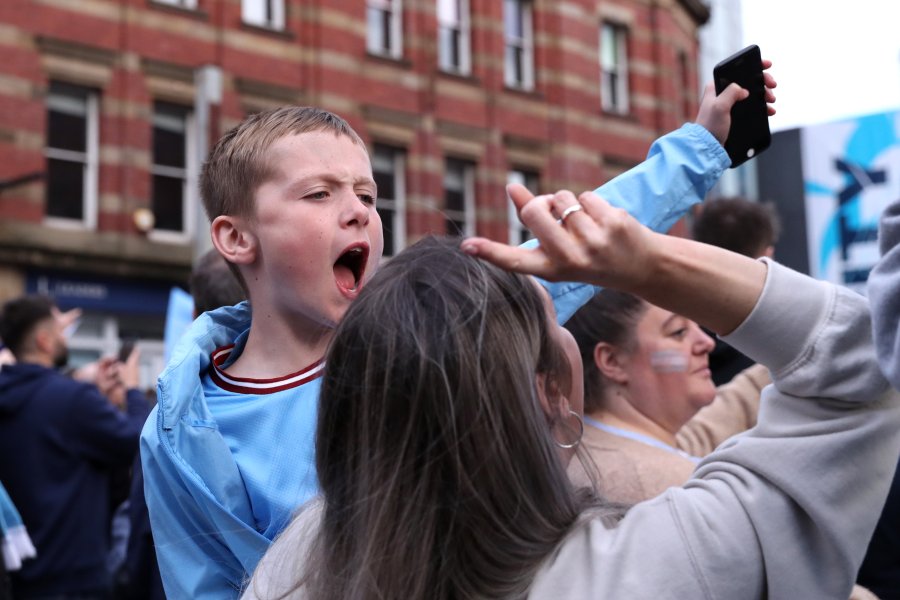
x=715, y=111
x=596, y=244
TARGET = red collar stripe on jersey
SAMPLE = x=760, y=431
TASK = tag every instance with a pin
x=246, y=385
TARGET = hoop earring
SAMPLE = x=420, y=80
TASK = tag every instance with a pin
x=577, y=439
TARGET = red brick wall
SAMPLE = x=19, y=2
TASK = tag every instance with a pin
x=320, y=58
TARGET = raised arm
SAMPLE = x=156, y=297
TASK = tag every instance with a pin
x=679, y=171
x=769, y=507
x=800, y=490
x=681, y=166
x=605, y=246
x=884, y=293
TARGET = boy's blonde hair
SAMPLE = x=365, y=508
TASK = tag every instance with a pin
x=239, y=163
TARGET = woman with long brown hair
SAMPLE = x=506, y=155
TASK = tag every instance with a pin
x=449, y=409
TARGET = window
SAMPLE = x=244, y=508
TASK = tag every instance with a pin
x=173, y=172
x=518, y=68
x=518, y=233
x=72, y=156
x=614, y=68
x=383, y=23
x=388, y=167
x=459, y=197
x=263, y=13
x=454, y=53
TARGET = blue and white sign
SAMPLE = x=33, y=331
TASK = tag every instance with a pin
x=851, y=172
x=89, y=292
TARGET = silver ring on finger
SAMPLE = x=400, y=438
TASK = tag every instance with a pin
x=568, y=212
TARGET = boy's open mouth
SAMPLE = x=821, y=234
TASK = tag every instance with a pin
x=350, y=267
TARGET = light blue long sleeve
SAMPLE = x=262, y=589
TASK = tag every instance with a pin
x=680, y=169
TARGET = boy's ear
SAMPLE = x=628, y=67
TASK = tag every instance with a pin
x=233, y=239
x=611, y=362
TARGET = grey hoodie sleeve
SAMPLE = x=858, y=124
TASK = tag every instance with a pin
x=884, y=295
x=784, y=510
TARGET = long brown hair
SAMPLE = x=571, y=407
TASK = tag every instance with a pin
x=438, y=472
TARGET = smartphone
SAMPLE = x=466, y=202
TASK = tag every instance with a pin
x=126, y=348
x=749, y=134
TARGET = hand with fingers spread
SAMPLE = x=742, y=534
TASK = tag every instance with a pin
x=715, y=111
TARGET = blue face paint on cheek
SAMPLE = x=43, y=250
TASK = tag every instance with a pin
x=669, y=361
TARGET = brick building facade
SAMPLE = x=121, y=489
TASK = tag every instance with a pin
x=102, y=102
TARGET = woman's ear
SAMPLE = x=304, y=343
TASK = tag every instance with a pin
x=553, y=403
x=611, y=361
x=233, y=239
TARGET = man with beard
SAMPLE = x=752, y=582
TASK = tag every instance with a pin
x=59, y=440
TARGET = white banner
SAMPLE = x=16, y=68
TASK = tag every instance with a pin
x=851, y=171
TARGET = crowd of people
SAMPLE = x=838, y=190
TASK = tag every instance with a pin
x=408, y=430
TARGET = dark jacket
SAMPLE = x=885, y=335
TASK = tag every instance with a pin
x=725, y=362
x=59, y=438
x=880, y=571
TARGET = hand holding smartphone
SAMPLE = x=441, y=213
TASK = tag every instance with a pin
x=749, y=133
x=126, y=349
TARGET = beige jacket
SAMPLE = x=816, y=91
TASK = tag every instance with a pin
x=631, y=471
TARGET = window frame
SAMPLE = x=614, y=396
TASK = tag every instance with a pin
x=517, y=232
x=89, y=159
x=276, y=20
x=189, y=176
x=397, y=204
x=463, y=29
x=467, y=213
x=185, y=4
x=393, y=48
x=614, y=84
x=525, y=46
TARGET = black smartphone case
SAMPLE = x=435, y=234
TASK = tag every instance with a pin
x=749, y=134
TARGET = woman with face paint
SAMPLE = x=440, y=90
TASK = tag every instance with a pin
x=651, y=410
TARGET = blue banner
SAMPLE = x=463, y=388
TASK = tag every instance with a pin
x=100, y=294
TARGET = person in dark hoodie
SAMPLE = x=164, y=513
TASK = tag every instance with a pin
x=59, y=440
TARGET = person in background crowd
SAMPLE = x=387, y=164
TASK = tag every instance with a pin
x=741, y=226
x=14, y=539
x=213, y=283
x=59, y=439
x=651, y=410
